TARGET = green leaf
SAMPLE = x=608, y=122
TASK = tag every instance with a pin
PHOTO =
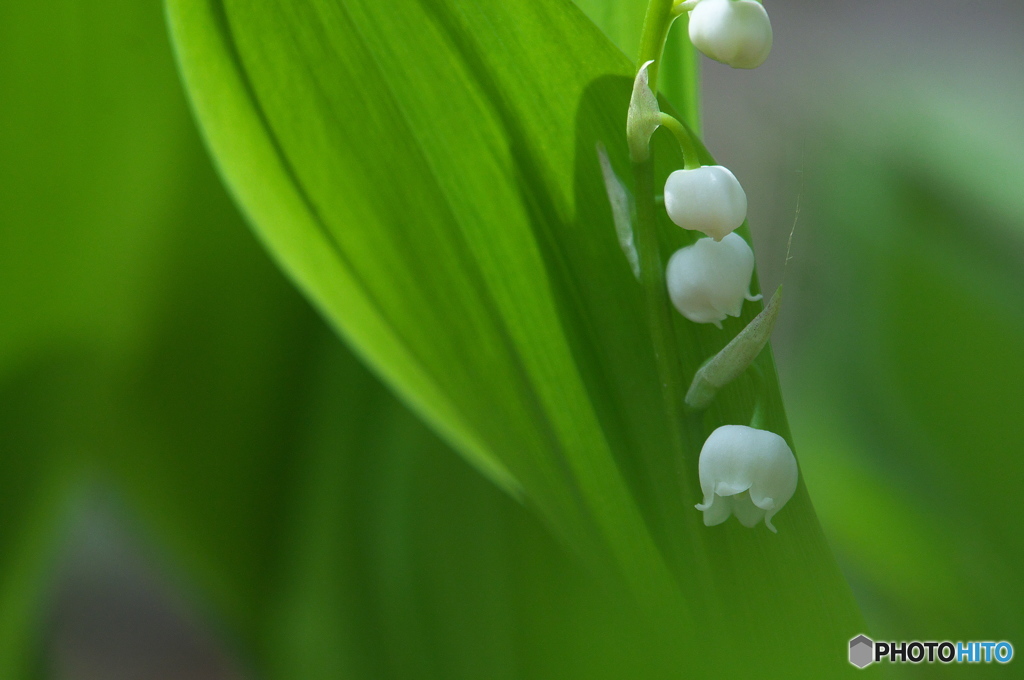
x=423, y=259
x=427, y=176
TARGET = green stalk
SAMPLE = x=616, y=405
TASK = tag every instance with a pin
x=657, y=22
x=658, y=307
x=691, y=159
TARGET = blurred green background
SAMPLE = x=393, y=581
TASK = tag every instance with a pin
x=169, y=405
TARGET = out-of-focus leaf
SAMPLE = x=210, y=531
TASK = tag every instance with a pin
x=404, y=563
x=428, y=178
x=147, y=345
x=90, y=145
x=90, y=124
x=197, y=434
x=39, y=420
x=920, y=450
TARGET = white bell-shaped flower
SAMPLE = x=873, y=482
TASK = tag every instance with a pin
x=709, y=280
x=745, y=472
x=707, y=199
x=734, y=32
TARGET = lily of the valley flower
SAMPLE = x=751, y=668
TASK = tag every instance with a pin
x=710, y=279
x=707, y=199
x=734, y=32
x=745, y=472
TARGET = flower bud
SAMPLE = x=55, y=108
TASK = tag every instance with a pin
x=708, y=199
x=710, y=279
x=745, y=472
x=734, y=32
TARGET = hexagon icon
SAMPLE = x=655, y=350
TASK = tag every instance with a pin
x=861, y=651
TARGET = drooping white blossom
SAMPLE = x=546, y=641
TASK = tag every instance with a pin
x=745, y=472
x=734, y=32
x=708, y=199
x=709, y=280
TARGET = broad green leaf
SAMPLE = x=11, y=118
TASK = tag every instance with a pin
x=535, y=426
x=428, y=178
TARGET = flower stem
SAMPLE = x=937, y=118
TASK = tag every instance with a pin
x=759, y=418
x=685, y=428
x=652, y=279
x=652, y=268
x=681, y=6
x=657, y=21
x=682, y=134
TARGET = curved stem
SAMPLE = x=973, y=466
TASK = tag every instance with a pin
x=683, y=6
x=690, y=158
x=759, y=418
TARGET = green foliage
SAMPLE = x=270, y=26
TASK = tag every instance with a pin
x=89, y=141
x=917, y=454
x=462, y=241
x=428, y=178
x=403, y=562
